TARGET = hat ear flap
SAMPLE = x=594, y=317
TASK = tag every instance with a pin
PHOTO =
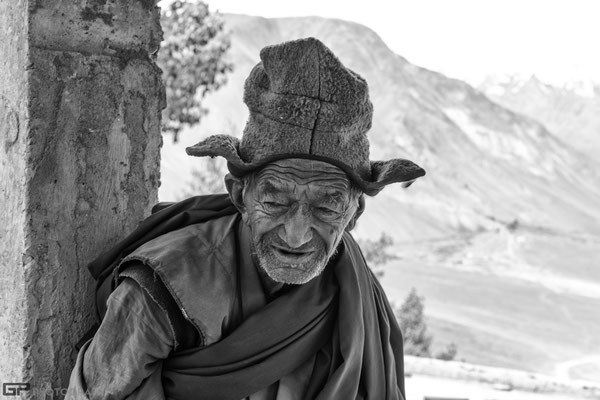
x=218, y=145
x=396, y=170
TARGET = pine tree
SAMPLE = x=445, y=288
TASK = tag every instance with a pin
x=417, y=340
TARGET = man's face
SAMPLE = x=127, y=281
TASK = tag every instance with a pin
x=297, y=211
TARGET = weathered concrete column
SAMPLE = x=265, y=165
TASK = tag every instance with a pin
x=80, y=101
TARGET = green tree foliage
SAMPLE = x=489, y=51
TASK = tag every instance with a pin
x=377, y=252
x=192, y=60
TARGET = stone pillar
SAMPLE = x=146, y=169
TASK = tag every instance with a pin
x=80, y=102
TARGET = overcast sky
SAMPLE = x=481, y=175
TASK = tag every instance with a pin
x=558, y=40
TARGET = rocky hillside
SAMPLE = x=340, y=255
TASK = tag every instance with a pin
x=503, y=198
x=572, y=112
x=485, y=163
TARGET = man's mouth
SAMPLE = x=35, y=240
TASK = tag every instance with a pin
x=291, y=256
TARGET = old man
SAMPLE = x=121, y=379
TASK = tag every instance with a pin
x=261, y=294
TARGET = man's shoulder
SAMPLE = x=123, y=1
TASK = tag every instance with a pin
x=197, y=266
x=196, y=240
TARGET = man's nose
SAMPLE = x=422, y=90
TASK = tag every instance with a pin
x=296, y=228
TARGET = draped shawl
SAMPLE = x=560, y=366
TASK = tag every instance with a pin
x=342, y=317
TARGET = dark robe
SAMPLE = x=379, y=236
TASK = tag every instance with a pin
x=341, y=319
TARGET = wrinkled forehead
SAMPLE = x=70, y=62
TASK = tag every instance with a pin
x=293, y=175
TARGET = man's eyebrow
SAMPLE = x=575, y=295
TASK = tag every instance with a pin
x=269, y=188
x=332, y=196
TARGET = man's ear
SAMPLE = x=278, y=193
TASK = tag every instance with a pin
x=358, y=213
x=235, y=188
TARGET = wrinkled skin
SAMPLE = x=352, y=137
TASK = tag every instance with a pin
x=297, y=211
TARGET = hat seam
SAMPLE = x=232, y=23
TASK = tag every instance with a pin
x=314, y=128
x=317, y=98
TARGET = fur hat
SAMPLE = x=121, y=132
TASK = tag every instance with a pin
x=305, y=104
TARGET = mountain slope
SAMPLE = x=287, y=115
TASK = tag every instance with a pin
x=483, y=161
x=571, y=112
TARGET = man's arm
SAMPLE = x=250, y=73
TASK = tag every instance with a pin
x=135, y=335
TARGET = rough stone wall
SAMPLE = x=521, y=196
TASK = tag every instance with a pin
x=87, y=170
x=13, y=142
